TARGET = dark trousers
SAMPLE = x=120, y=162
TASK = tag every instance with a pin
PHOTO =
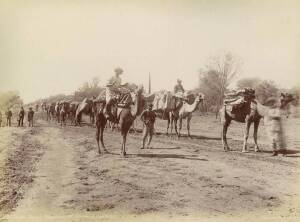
x=20, y=121
x=30, y=122
x=8, y=121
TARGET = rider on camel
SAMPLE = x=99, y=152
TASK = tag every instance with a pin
x=179, y=93
x=113, y=91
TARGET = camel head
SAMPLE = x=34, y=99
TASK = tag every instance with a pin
x=199, y=97
x=285, y=99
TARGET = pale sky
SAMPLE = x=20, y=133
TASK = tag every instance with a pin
x=50, y=47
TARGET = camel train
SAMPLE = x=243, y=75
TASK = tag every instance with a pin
x=167, y=107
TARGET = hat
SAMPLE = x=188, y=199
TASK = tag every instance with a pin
x=150, y=105
x=119, y=70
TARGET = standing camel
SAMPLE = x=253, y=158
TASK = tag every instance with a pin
x=128, y=115
x=251, y=112
x=125, y=118
x=184, y=112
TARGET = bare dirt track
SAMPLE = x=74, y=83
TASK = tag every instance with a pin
x=59, y=176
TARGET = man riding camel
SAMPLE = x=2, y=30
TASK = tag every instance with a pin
x=178, y=87
x=179, y=93
x=114, y=90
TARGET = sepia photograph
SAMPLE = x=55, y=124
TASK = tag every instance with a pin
x=149, y=110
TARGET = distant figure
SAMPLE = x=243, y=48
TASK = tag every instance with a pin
x=30, y=117
x=37, y=107
x=21, y=117
x=148, y=118
x=8, y=117
x=0, y=119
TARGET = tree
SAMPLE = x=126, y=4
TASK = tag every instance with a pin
x=248, y=82
x=265, y=90
x=11, y=100
x=216, y=77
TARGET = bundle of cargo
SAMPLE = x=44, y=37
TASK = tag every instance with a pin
x=239, y=97
x=236, y=101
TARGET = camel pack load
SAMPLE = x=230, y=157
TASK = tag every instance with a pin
x=163, y=101
x=239, y=97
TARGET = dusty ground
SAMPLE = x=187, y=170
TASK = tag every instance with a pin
x=50, y=173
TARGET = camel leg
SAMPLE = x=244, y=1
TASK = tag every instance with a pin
x=123, y=152
x=172, y=125
x=168, y=124
x=246, y=134
x=224, y=133
x=175, y=126
x=101, y=138
x=98, y=138
x=188, y=121
x=180, y=127
x=256, y=124
x=171, y=119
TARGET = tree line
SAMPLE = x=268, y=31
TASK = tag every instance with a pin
x=217, y=76
x=215, y=80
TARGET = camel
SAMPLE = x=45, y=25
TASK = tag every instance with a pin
x=180, y=112
x=50, y=109
x=251, y=112
x=86, y=107
x=72, y=112
x=125, y=118
x=184, y=112
x=63, y=114
x=57, y=109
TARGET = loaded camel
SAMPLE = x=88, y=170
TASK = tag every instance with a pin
x=184, y=111
x=126, y=116
x=86, y=107
x=250, y=112
x=179, y=111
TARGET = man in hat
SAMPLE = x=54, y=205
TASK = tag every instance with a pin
x=30, y=117
x=178, y=93
x=8, y=117
x=21, y=116
x=178, y=87
x=148, y=118
x=113, y=89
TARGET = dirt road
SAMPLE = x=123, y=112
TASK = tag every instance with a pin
x=66, y=179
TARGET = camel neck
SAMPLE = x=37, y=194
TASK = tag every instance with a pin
x=135, y=106
x=192, y=107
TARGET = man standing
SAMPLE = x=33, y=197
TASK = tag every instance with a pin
x=148, y=118
x=21, y=116
x=276, y=133
x=8, y=117
x=30, y=117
